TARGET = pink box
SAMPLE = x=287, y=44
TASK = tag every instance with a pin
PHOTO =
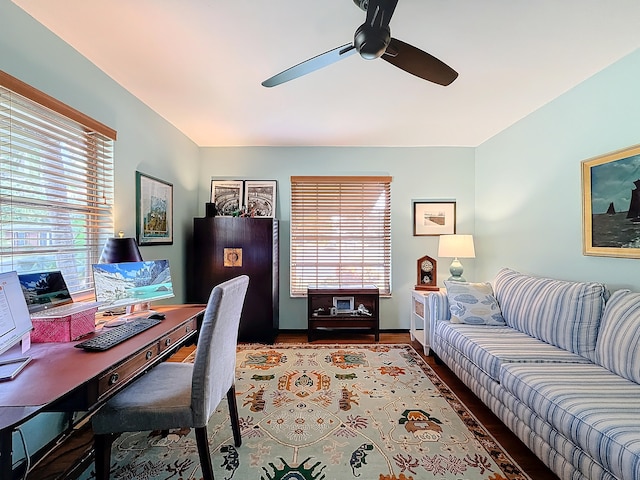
x=63, y=329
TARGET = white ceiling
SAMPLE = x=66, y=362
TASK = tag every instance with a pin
x=199, y=64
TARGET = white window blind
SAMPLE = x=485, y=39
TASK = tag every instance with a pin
x=340, y=232
x=56, y=185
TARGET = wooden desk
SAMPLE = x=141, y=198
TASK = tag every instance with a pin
x=62, y=378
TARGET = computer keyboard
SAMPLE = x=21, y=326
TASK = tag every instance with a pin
x=117, y=335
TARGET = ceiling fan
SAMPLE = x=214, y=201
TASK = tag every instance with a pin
x=373, y=40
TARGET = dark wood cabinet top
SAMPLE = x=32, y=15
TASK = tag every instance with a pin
x=351, y=290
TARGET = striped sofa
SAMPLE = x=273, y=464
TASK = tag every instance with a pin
x=563, y=373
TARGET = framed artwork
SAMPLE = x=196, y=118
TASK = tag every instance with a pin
x=260, y=198
x=343, y=304
x=232, y=257
x=226, y=195
x=434, y=218
x=611, y=204
x=154, y=211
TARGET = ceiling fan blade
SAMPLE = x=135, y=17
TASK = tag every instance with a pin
x=311, y=65
x=419, y=63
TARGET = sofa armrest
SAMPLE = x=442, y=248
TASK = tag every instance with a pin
x=438, y=311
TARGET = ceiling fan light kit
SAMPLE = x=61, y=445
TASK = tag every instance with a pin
x=373, y=40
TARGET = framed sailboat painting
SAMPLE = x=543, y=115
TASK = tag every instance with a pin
x=611, y=204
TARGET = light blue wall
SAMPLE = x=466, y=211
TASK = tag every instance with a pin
x=521, y=198
x=145, y=142
x=428, y=173
x=528, y=205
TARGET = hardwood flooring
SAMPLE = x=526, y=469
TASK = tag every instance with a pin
x=72, y=455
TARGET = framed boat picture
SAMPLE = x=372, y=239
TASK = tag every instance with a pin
x=611, y=204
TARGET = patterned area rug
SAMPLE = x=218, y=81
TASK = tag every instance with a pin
x=313, y=412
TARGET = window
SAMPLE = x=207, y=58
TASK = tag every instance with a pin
x=56, y=185
x=340, y=232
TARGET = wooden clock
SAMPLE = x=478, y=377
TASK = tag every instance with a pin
x=427, y=278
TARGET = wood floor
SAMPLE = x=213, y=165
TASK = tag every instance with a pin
x=514, y=447
x=73, y=455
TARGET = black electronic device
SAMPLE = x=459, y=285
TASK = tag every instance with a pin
x=117, y=335
x=157, y=316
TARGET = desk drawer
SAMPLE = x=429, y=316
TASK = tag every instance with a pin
x=119, y=375
x=175, y=337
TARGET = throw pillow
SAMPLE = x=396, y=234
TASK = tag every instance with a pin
x=618, y=346
x=563, y=313
x=473, y=303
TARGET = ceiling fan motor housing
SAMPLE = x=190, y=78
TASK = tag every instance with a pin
x=371, y=42
x=363, y=4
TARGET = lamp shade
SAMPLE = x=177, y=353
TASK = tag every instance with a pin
x=118, y=250
x=456, y=246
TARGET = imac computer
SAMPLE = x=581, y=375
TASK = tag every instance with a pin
x=129, y=287
x=15, y=323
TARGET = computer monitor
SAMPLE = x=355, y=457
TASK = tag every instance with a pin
x=131, y=285
x=15, y=323
x=15, y=320
x=43, y=290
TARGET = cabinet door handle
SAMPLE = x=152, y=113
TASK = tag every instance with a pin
x=167, y=342
x=114, y=378
x=148, y=355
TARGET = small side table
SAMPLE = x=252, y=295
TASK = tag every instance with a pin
x=322, y=314
x=420, y=318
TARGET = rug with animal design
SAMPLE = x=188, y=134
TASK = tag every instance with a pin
x=313, y=412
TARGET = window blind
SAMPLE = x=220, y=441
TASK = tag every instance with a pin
x=56, y=185
x=340, y=232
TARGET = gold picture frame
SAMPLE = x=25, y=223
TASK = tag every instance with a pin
x=611, y=204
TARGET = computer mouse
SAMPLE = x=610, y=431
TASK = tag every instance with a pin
x=157, y=316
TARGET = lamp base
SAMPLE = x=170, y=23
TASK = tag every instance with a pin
x=456, y=271
x=456, y=278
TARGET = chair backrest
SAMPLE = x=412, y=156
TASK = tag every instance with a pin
x=215, y=362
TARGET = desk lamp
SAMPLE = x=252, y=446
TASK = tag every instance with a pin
x=456, y=246
x=117, y=250
x=121, y=249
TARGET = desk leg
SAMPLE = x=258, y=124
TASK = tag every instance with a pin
x=5, y=453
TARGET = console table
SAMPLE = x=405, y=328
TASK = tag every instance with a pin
x=62, y=378
x=322, y=313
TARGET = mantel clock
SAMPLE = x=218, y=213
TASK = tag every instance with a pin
x=427, y=278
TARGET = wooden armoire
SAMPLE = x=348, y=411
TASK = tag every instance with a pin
x=225, y=247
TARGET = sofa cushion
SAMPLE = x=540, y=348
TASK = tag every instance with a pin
x=594, y=408
x=618, y=346
x=473, y=303
x=488, y=347
x=564, y=314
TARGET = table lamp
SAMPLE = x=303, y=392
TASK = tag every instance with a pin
x=120, y=249
x=456, y=246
